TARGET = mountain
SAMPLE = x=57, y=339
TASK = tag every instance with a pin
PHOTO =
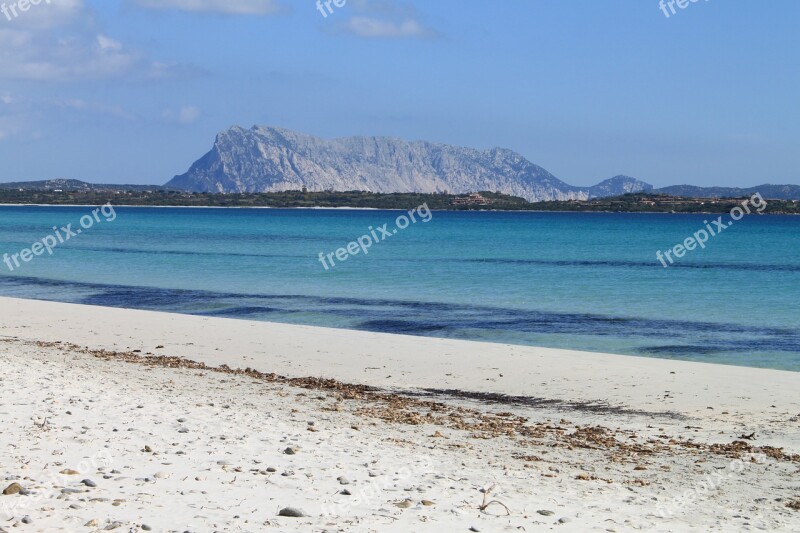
x=74, y=185
x=774, y=192
x=264, y=159
x=618, y=185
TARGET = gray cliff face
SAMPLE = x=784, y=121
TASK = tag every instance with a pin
x=266, y=159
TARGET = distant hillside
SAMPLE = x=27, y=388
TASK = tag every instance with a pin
x=75, y=185
x=776, y=192
x=265, y=159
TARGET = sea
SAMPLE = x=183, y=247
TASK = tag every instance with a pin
x=581, y=281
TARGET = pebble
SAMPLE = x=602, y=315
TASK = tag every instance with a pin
x=545, y=512
x=89, y=483
x=564, y=520
x=27, y=520
x=145, y=527
x=14, y=488
x=290, y=451
x=292, y=512
x=343, y=480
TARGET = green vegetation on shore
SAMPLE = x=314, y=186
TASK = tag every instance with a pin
x=629, y=203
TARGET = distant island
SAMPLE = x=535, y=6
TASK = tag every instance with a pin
x=482, y=201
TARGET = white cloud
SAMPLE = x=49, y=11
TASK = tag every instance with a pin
x=385, y=19
x=372, y=28
x=184, y=115
x=60, y=42
x=230, y=7
x=107, y=43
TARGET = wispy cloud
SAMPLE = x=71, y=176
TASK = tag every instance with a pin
x=372, y=28
x=385, y=19
x=59, y=42
x=230, y=7
x=184, y=115
x=80, y=105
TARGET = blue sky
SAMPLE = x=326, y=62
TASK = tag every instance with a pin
x=133, y=91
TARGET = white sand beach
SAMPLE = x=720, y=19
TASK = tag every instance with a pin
x=134, y=420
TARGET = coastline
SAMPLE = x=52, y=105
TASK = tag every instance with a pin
x=349, y=208
x=590, y=440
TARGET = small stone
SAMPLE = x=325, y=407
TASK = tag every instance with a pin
x=89, y=483
x=474, y=529
x=292, y=512
x=162, y=475
x=147, y=449
x=14, y=488
x=564, y=520
x=69, y=472
x=346, y=492
x=271, y=470
x=427, y=503
x=91, y=523
x=545, y=512
x=145, y=527
x=290, y=451
x=27, y=520
x=343, y=480
x=405, y=504
x=181, y=420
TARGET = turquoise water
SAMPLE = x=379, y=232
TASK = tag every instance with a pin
x=586, y=281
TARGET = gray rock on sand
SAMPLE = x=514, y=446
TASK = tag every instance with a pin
x=89, y=483
x=292, y=512
x=290, y=451
x=343, y=480
x=545, y=512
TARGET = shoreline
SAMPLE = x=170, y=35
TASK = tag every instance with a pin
x=348, y=208
x=395, y=361
x=142, y=421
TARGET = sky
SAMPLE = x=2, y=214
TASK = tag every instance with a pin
x=134, y=91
